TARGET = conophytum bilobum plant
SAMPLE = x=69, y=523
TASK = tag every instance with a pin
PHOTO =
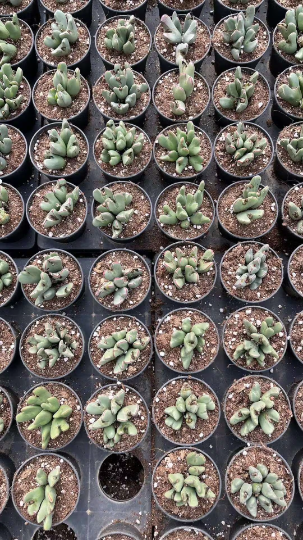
x=247, y=208
x=184, y=148
x=244, y=148
x=6, y=277
x=292, y=92
x=291, y=29
x=47, y=415
x=188, y=408
x=257, y=344
x=122, y=347
x=10, y=81
x=58, y=203
x=295, y=213
x=6, y=144
x=188, y=209
x=294, y=147
x=252, y=273
x=123, y=92
x=119, y=281
x=122, y=38
x=4, y=199
x=66, y=88
x=112, y=209
x=63, y=145
x=120, y=144
x=240, y=33
x=9, y=31
x=55, y=343
x=184, y=89
x=186, y=269
x=64, y=34
x=180, y=34
x=239, y=92
x=190, y=338
x=42, y=499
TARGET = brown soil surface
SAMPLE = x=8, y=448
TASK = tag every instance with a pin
x=289, y=132
x=298, y=405
x=261, y=532
x=5, y=414
x=23, y=44
x=296, y=336
x=3, y=490
x=60, y=532
x=294, y=195
x=16, y=156
x=78, y=49
x=122, y=5
x=142, y=43
x=121, y=477
x=182, y=4
x=239, y=5
x=8, y=9
x=7, y=345
x=196, y=51
x=69, y=7
x=225, y=50
x=15, y=209
x=186, y=534
x=296, y=270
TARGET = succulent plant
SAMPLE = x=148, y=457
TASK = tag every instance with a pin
x=64, y=34
x=181, y=35
x=65, y=88
x=292, y=92
x=257, y=344
x=294, y=147
x=184, y=148
x=262, y=487
x=246, y=208
x=9, y=87
x=291, y=29
x=120, y=144
x=53, y=344
x=1, y=419
x=4, y=210
x=62, y=145
x=48, y=416
x=9, y=31
x=187, y=211
x=123, y=347
x=186, y=269
x=6, y=144
x=124, y=92
x=295, y=213
x=113, y=417
x=252, y=273
x=122, y=38
x=58, y=203
x=42, y=499
x=118, y=281
x=240, y=33
x=239, y=92
x=184, y=88
x=190, y=338
x=260, y=413
x=188, y=408
x=53, y=273
x=112, y=210
x=244, y=148
x=6, y=277
x=187, y=490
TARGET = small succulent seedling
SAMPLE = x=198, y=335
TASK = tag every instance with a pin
x=181, y=35
x=52, y=273
x=6, y=277
x=122, y=38
x=184, y=88
x=238, y=92
x=58, y=203
x=1, y=419
x=260, y=412
x=187, y=211
x=257, y=344
x=112, y=209
x=6, y=144
x=4, y=199
x=66, y=88
x=186, y=269
x=42, y=500
x=187, y=490
x=64, y=34
x=240, y=33
x=184, y=148
x=55, y=343
x=252, y=273
x=48, y=416
x=119, y=281
x=120, y=144
x=188, y=408
x=9, y=87
x=244, y=148
x=291, y=29
x=113, y=417
x=292, y=92
x=123, y=347
x=247, y=208
x=264, y=488
x=190, y=338
x=295, y=213
x=123, y=92
x=62, y=145
x=294, y=147
x=10, y=31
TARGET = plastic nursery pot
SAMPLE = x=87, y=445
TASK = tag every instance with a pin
x=294, y=399
x=275, y=13
x=278, y=63
x=84, y=14
x=137, y=66
x=235, y=237
x=292, y=345
x=16, y=177
x=12, y=402
x=138, y=11
x=281, y=117
x=75, y=177
x=230, y=177
x=121, y=528
x=222, y=10
x=240, y=534
x=167, y=121
x=300, y=479
x=173, y=533
x=62, y=238
x=16, y=288
x=22, y=226
x=16, y=340
x=115, y=178
x=25, y=118
x=7, y=468
x=164, y=8
x=289, y=283
x=29, y=13
x=29, y=62
x=223, y=119
x=287, y=196
x=283, y=172
x=178, y=185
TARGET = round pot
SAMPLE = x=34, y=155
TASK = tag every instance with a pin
x=242, y=530
x=8, y=469
x=164, y=8
x=290, y=340
x=84, y=13
x=23, y=118
x=61, y=529
x=12, y=400
x=221, y=10
x=175, y=531
x=275, y=13
x=289, y=285
x=16, y=291
x=17, y=176
x=138, y=11
x=293, y=233
x=29, y=63
x=131, y=178
x=66, y=238
x=77, y=176
x=30, y=13
x=280, y=116
x=123, y=528
x=137, y=66
x=277, y=62
x=294, y=397
x=22, y=227
x=16, y=336
x=280, y=169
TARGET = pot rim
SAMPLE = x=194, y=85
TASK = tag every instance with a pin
x=11, y=260
x=7, y=393
x=182, y=11
x=15, y=336
x=293, y=322
x=290, y=64
x=70, y=11
x=289, y=171
x=10, y=186
x=187, y=528
x=297, y=119
x=234, y=11
x=126, y=11
x=294, y=397
x=288, y=269
x=30, y=30
x=270, y=525
x=7, y=176
x=288, y=228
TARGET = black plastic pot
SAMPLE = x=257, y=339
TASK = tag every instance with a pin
x=75, y=177
x=176, y=530
x=164, y=8
x=277, y=62
x=230, y=177
x=29, y=63
x=294, y=397
x=16, y=336
x=84, y=14
x=284, y=212
x=12, y=400
x=17, y=176
x=132, y=178
x=30, y=13
x=223, y=119
x=221, y=10
x=288, y=284
x=280, y=169
x=275, y=12
x=290, y=339
x=122, y=528
x=280, y=116
x=138, y=66
x=241, y=530
x=22, y=227
x=24, y=119
x=8, y=468
x=16, y=292
x=138, y=11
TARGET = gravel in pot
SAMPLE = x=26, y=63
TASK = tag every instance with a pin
x=251, y=272
x=259, y=483
x=7, y=407
x=116, y=536
x=8, y=280
x=177, y=325
x=297, y=404
x=82, y=9
x=288, y=96
x=13, y=154
x=124, y=413
x=21, y=7
x=120, y=347
x=59, y=532
x=295, y=272
x=257, y=409
x=295, y=336
x=18, y=34
x=124, y=7
x=186, y=533
x=130, y=270
x=261, y=532
x=181, y=7
x=223, y=8
x=8, y=345
x=12, y=213
x=285, y=52
x=4, y=489
x=167, y=486
x=186, y=411
x=289, y=156
x=292, y=211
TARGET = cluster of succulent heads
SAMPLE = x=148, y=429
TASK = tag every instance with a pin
x=260, y=487
x=183, y=148
x=10, y=32
x=123, y=347
x=295, y=213
x=186, y=269
x=53, y=345
x=190, y=338
x=6, y=277
x=291, y=30
x=10, y=98
x=184, y=89
x=63, y=145
x=180, y=34
x=66, y=88
x=257, y=345
x=239, y=92
x=121, y=144
x=294, y=147
x=52, y=279
x=247, y=208
x=114, y=209
x=59, y=203
x=255, y=269
x=6, y=144
x=188, y=408
x=122, y=38
x=41, y=500
x=46, y=415
x=259, y=413
x=292, y=91
x=4, y=200
x=113, y=417
x=188, y=488
x=64, y=34
x=123, y=92
x=187, y=211
x=244, y=147
x=119, y=282
x=240, y=33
